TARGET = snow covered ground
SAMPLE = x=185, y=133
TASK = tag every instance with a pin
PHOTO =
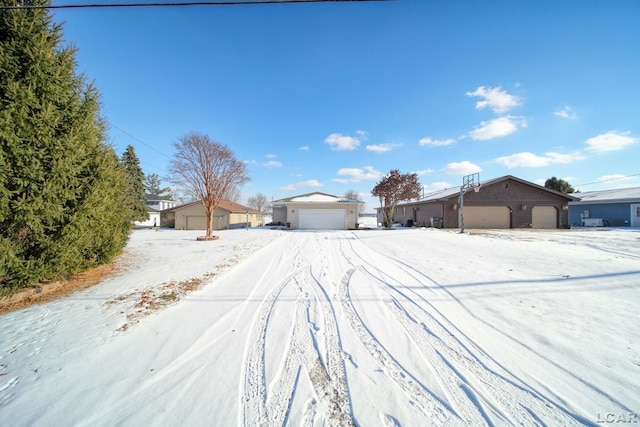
x=370, y=327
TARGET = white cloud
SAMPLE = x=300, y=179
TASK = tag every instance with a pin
x=273, y=164
x=610, y=141
x=270, y=156
x=614, y=177
x=340, y=142
x=566, y=113
x=436, y=142
x=424, y=172
x=502, y=126
x=382, y=148
x=308, y=183
x=436, y=186
x=304, y=148
x=366, y=173
x=530, y=160
x=461, y=168
x=495, y=98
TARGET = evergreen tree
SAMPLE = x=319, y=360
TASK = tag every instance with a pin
x=153, y=185
x=62, y=188
x=135, y=190
x=560, y=185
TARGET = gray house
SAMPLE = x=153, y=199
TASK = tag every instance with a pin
x=614, y=208
x=505, y=202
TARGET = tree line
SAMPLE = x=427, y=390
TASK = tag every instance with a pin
x=67, y=201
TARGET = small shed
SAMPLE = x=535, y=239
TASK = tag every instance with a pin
x=317, y=211
x=505, y=202
x=613, y=208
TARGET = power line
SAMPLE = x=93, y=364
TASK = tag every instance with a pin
x=182, y=4
x=607, y=180
x=140, y=141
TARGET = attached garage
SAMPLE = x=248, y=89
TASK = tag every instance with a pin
x=323, y=219
x=487, y=217
x=544, y=217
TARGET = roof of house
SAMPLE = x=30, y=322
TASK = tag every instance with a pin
x=620, y=195
x=234, y=207
x=316, y=197
x=447, y=193
x=153, y=197
x=227, y=205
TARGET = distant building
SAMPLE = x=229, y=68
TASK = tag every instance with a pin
x=155, y=204
x=227, y=215
x=317, y=211
x=505, y=202
x=607, y=208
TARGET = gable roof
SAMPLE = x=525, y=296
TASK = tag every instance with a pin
x=231, y=207
x=234, y=207
x=316, y=197
x=619, y=195
x=154, y=197
x=448, y=193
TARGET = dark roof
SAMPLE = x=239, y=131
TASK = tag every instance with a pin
x=150, y=197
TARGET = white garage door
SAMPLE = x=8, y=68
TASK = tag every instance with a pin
x=323, y=219
x=544, y=217
x=487, y=217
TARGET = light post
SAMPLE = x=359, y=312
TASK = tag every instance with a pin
x=469, y=182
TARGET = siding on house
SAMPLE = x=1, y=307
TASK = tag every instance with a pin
x=616, y=208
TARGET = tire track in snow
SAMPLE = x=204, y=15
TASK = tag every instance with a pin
x=330, y=402
x=427, y=403
x=477, y=393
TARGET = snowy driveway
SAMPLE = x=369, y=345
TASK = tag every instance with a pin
x=404, y=327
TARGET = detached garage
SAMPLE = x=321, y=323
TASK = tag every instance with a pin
x=227, y=215
x=317, y=211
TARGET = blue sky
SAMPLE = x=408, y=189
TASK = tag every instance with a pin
x=331, y=96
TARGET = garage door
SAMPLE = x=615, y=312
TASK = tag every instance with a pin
x=196, y=223
x=323, y=219
x=544, y=217
x=487, y=217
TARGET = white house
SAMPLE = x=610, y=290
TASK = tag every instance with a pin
x=317, y=211
x=155, y=204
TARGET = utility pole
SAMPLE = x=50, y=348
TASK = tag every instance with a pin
x=469, y=182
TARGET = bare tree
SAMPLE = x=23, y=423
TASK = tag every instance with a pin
x=393, y=188
x=232, y=194
x=259, y=202
x=354, y=195
x=207, y=169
